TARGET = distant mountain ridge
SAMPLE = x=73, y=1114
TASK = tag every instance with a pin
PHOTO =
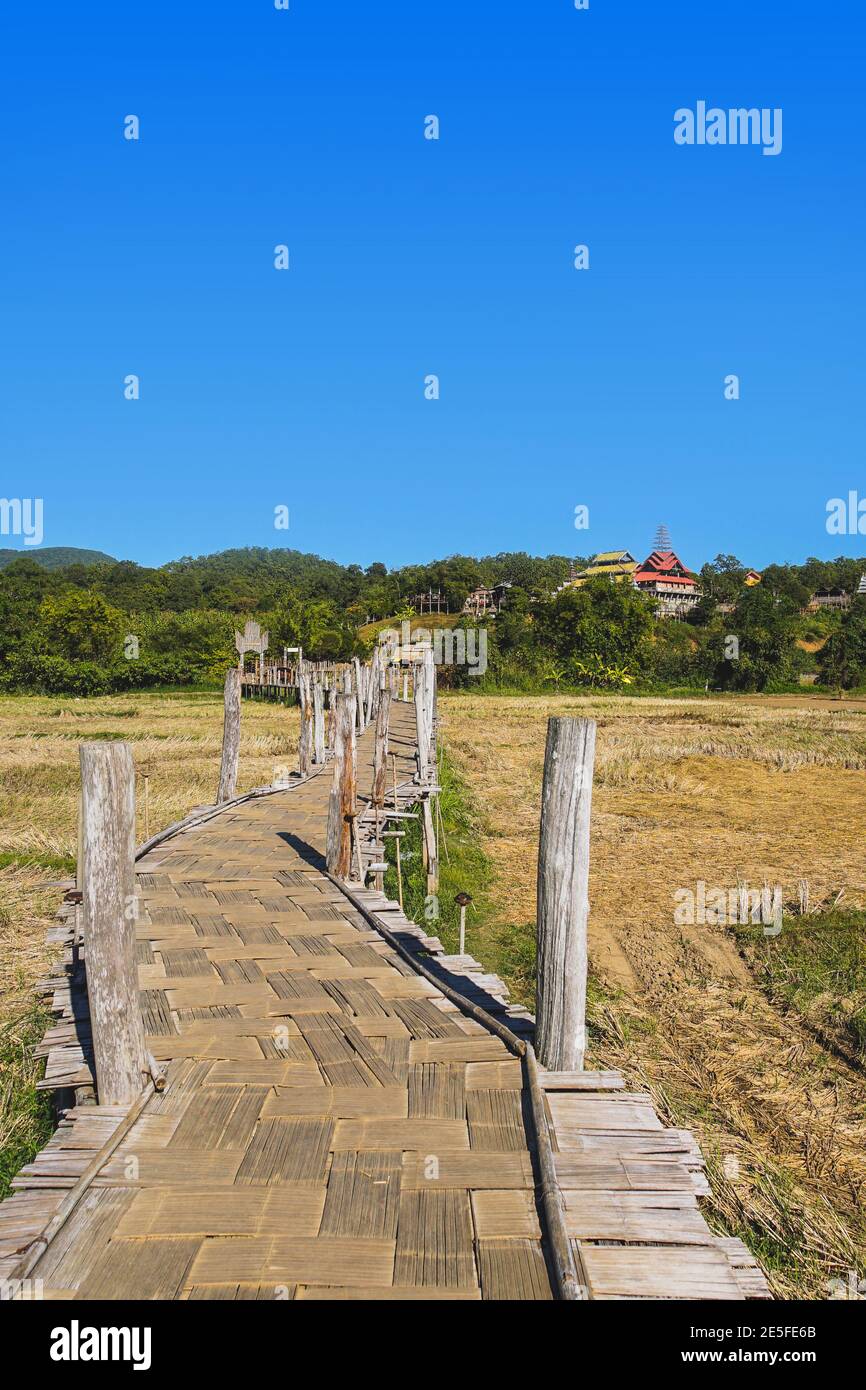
x=56, y=557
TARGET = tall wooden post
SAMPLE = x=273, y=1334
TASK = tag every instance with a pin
x=406, y=685
x=380, y=750
x=332, y=713
x=231, y=737
x=305, y=742
x=372, y=686
x=430, y=701
x=431, y=852
x=109, y=903
x=341, y=803
x=420, y=728
x=563, y=894
x=359, y=693
x=318, y=722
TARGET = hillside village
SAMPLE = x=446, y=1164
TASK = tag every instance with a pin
x=662, y=577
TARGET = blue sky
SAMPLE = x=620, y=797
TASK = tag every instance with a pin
x=410, y=257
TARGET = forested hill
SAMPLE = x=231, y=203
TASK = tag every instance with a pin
x=91, y=629
x=56, y=557
x=258, y=579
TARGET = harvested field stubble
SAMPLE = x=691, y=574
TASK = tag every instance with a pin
x=710, y=791
x=176, y=742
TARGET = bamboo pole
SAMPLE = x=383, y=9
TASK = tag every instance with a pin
x=305, y=742
x=563, y=901
x=332, y=714
x=380, y=750
x=431, y=854
x=341, y=803
x=318, y=722
x=372, y=691
x=420, y=732
x=359, y=693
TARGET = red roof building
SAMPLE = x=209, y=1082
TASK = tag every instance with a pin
x=665, y=578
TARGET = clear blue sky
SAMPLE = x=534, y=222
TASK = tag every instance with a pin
x=305, y=388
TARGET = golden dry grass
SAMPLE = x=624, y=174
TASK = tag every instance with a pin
x=176, y=742
x=711, y=790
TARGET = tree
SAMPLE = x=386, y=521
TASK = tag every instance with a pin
x=765, y=625
x=80, y=626
x=842, y=661
x=601, y=618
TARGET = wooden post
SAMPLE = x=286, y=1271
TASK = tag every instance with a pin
x=563, y=894
x=406, y=685
x=79, y=862
x=305, y=742
x=430, y=703
x=372, y=686
x=463, y=900
x=431, y=854
x=231, y=737
x=318, y=722
x=420, y=728
x=380, y=751
x=399, y=874
x=332, y=714
x=108, y=802
x=359, y=693
x=341, y=803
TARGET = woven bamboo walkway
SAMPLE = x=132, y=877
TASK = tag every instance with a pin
x=334, y=1127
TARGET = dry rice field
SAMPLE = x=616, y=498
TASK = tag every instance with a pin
x=715, y=790
x=176, y=742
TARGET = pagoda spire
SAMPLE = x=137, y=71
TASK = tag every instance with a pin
x=662, y=539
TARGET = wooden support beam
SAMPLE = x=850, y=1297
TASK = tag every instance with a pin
x=420, y=727
x=231, y=737
x=305, y=742
x=563, y=894
x=372, y=691
x=359, y=693
x=332, y=713
x=109, y=903
x=431, y=853
x=380, y=750
x=318, y=722
x=341, y=803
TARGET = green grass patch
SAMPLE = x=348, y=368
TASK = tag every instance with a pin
x=24, y=859
x=463, y=867
x=505, y=949
x=816, y=966
x=26, y=1115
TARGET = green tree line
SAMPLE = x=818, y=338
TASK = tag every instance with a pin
x=116, y=625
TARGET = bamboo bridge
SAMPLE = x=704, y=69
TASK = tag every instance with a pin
x=298, y=1094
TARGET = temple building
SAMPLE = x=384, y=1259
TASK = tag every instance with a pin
x=616, y=564
x=664, y=577
x=482, y=600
